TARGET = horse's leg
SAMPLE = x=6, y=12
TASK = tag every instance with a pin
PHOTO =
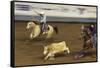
x=31, y=36
x=35, y=33
x=49, y=34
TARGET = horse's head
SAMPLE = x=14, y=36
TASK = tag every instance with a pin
x=30, y=25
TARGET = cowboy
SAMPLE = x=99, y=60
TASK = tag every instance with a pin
x=86, y=36
x=42, y=21
x=88, y=40
x=94, y=34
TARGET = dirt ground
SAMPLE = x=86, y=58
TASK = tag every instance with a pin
x=30, y=52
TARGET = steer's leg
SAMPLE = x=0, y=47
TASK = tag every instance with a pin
x=67, y=50
x=48, y=55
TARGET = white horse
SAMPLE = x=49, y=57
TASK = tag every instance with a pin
x=36, y=30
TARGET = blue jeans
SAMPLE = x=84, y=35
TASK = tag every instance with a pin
x=43, y=27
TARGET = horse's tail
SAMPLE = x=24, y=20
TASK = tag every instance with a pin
x=56, y=29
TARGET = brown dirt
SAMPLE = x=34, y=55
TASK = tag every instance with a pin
x=31, y=52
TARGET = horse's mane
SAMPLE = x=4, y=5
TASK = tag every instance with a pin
x=37, y=23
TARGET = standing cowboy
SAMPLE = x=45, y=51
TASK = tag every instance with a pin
x=94, y=34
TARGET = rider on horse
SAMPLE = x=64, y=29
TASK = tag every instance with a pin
x=42, y=21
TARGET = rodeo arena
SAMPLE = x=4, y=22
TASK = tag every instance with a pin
x=70, y=35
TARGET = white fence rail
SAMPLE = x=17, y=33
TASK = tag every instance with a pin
x=55, y=12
